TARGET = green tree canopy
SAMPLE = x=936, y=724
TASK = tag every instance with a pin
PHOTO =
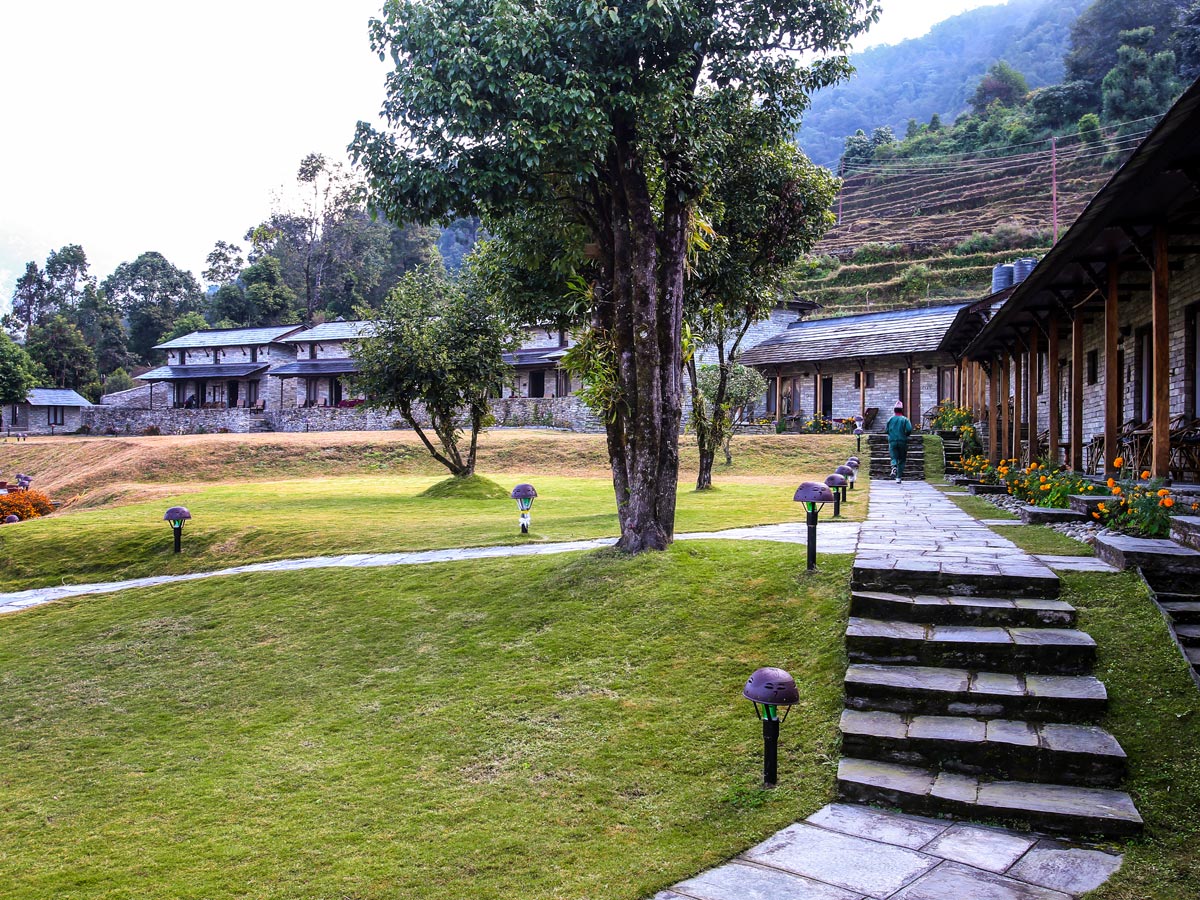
x=1002, y=83
x=435, y=354
x=613, y=113
x=18, y=372
x=1140, y=84
x=1096, y=36
x=152, y=294
x=185, y=324
x=60, y=348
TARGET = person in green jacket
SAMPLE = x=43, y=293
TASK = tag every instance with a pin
x=898, y=430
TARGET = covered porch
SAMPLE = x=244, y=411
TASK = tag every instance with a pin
x=230, y=386
x=323, y=382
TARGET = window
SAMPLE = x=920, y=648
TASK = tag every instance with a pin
x=858, y=380
x=253, y=354
x=1093, y=366
x=55, y=415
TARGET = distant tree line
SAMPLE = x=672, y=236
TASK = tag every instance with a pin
x=1127, y=61
x=323, y=257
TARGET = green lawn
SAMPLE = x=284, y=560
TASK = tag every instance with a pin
x=981, y=508
x=1155, y=714
x=245, y=521
x=559, y=727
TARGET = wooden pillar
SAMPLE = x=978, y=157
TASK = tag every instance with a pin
x=1018, y=412
x=913, y=415
x=1002, y=399
x=1034, y=449
x=1112, y=378
x=1053, y=393
x=778, y=394
x=1161, y=461
x=1077, y=365
x=862, y=389
x=993, y=423
x=817, y=411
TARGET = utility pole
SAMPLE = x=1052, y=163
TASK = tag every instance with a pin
x=1054, y=182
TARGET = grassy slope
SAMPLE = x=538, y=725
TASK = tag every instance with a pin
x=96, y=471
x=566, y=727
x=242, y=518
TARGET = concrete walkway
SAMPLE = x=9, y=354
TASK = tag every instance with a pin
x=834, y=537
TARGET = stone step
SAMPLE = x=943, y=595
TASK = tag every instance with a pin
x=916, y=574
x=1049, y=651
x=1087, y=503
x=1059, y=808
x=1053, y=753
x=1038, y=515
x=1193, y=656
x=1189, y=635
x=1182, y=612
x=1154, y=556
x=926, y=690
x=962, y=610
x=985, y=489
x=1186, y=530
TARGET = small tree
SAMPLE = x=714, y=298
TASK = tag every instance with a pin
x=1140, y=84
x=1002, y=82
x=437, y=347
x=63, y=352
x=742, y=387
x=118, y=381
x=185, y=324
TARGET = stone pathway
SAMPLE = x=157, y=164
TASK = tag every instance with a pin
x=844, y=852
x=833, y=537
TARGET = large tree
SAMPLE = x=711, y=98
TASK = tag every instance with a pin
x=1140, y=84
x=152, y=294
x=612, y=112
x=61, y=349
x=1096, y=36
x=18, y=372
x=434, y=354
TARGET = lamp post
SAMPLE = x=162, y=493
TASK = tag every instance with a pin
x=177, y=515
x=852, y=465
x=11, y=520
x=858, y=433
x=768, y=689
x=813, y=496
x=846, y=472
x=837, y=484
x=524, y=494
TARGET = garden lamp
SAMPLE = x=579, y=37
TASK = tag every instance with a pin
x=814, y=496
x=524, y=494
x=177, y=515
x=858, y=433
x=768, y=689
x=11, y=520
x=837, y=484
x=847, y=472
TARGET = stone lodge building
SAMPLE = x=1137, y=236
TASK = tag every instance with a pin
x=1097, y=352
x=45, y=411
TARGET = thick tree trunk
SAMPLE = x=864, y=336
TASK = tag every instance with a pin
x=643, y=316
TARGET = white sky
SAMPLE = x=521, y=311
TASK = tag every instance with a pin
x=133, y=125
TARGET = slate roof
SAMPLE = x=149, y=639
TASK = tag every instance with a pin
x=331, y=331
x=187, y=373
x=891, y=333
x=312, y=367
x=229, y=337
x=55, y=397
x=543, y=357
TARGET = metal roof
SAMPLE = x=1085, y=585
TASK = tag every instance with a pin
x=229, y=337
x=55, y=397
x=1156, y=185
x=202, y=373
x=332, y=331
x=893, y=333
x=311, y=367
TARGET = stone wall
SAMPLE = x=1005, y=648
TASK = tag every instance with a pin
x=568, y=413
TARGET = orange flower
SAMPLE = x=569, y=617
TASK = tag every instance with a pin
x=1095, y=515
x=1164, y=493
x=1043, y=479
x=1167, y=502
x=1045, y=487
x=1119, y=462
x=1145, y=475
x=1116, y=490
x=1112, y=482
x=1102, y=508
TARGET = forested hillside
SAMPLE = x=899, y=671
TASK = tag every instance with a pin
x=938, y=73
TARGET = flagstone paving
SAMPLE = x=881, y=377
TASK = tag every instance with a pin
x=846, y=852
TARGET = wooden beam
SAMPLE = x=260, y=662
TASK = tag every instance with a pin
x=778, y=394
x=1077, y=365
x=992, y=423
x=1112, y=378
x=1053, y=394
x=1018, y=412
x=1161, y=393
x=1002, y=399
x=1034, y=449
